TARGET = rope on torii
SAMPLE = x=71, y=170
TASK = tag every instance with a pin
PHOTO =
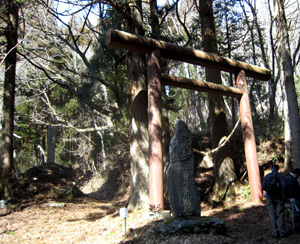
x=157, y=49
x=222, y=142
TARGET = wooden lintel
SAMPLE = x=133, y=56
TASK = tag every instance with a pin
x=125, y=40
x=200, y=86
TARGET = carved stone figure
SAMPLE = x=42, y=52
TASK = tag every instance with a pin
x=183, y=192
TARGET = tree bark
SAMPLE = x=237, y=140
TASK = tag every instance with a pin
x=287, y=134
x=288, y=77
x=9, y=97
x=139, y=148
x=216, y=103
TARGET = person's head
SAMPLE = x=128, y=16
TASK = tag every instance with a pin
x=296, y=172
x=275, y=167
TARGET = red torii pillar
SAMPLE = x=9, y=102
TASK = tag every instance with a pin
x=249, y=139
x=155, y=48
x=155, y=133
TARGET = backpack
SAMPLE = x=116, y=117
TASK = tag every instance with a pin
x=274, y=187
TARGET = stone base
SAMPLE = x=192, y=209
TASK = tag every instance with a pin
x=192, y=225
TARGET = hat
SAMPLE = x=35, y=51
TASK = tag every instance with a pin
x=296, y=170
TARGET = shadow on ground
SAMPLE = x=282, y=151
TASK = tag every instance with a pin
x=245, y=225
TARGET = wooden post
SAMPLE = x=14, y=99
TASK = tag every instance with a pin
x=157, y=49
x=155, y=133
x=249, y=140
x=198, y=85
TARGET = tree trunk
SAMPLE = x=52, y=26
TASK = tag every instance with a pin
x=287, y=133
x=288, y=78
x=216, y=102
x=261, y=41
x=9, y=97
x=139, y=194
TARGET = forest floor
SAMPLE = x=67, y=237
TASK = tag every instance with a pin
x=91, y=221
x=47, y=217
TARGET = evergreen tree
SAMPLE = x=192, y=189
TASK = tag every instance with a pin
x=216, y=103
x=10, y=19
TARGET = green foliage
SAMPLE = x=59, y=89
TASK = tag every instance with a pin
x=57, y=93
x=229, y=25
x=65, y=150
x=104, y=82
x=112, y=138
x=177, y=102
x=26, y=157
x=60, y=154
x=72, y=107
x=10, y=232
x=246, y=191
x=30, y=135
x=268, y=130
x=277, y=157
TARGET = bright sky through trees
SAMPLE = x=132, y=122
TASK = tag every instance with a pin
x=66, y=10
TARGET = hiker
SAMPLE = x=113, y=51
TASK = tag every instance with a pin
x=274, y=185
x=293, y=193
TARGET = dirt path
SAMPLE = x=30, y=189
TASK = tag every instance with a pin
x=90, y=221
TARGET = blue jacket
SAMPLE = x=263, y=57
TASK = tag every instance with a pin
x=282, y=182
x=293, y=188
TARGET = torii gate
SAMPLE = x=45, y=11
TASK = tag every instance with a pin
x=157, y=49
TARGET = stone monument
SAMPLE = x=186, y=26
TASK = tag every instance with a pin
x=51, y=145
x=181, y=186
x=183, y=192
x=224, y=188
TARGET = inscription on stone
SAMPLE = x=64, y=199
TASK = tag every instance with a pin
x=183, y=192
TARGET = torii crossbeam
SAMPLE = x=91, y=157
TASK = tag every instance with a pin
x=157, y=49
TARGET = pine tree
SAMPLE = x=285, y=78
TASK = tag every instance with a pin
x=10, y=19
